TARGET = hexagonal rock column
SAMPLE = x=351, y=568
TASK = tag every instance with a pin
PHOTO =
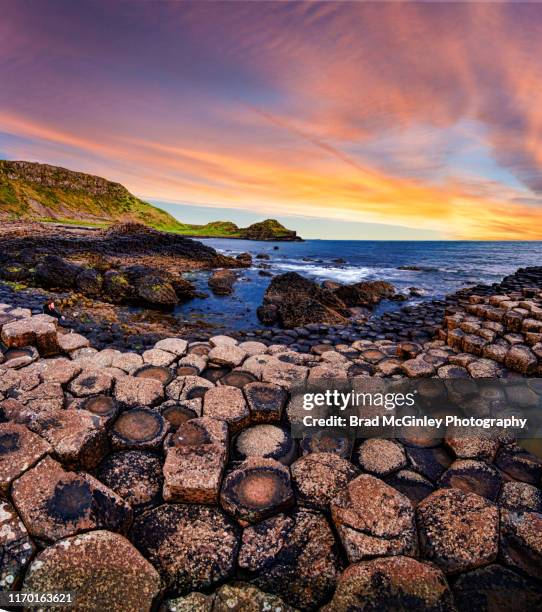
x=293, y=556
x=243, y=597
x=134, y=475
x=495, y=588
x=473, y=476
x=318, y=477
x=90, y=383
x=227, y=404
x=193, y=472
x=20, y=449
x=55, y=504
x=521, y=541
x=132, y=391
x=390, y=584
x=76, y=436
x=458, y=531
x=193, y=547
x=266, y=402
x=257, y=489
x=104, y=570
x=16, y=546
x=373, y=518
x=177, y=346
x=381, y=457
x=139, y=428
x=267, y=441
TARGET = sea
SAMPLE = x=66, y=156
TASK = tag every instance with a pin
x=442, y=268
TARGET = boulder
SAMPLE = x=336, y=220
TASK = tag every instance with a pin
x=221, y=282
x=155, y=290
x=56, y=273
x=299, y=301
x=117, y=287
x=365, y=293
x=89, y=282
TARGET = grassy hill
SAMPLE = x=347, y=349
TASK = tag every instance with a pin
x=40, y=192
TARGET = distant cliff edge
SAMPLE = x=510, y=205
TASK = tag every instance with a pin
x=40, y=192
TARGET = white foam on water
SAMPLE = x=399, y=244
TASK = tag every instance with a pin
x=336, y=273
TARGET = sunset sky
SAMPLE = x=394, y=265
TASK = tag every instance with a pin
x=343, y=120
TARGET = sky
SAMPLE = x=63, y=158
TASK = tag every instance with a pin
x=343, y=120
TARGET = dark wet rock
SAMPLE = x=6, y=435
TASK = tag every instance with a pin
x=373, y=518
x=521, y=541
x=267, y=441
x=292, y=556
x=193, y=472
x=76, y=436
x=411, y=484
x=380, y=457
x=519, y=464
x=221, y=282
x=297, y=301
x=317, y=478
x=192, y=546
x=16, y=546
x=136, y=476
x=473, y=476
x=20, y=449
x=117, y=287
x=56, y=273
x=391, y=584
x=55, y=504
x=132, y=391
x=89, y=282
x=496, y=589
x=104, y=570
x=227, y=404
x=458, y=531
x=155, y=289
x=244, y=258
x=430, y=462
x=365, y=293
x=138, y=429
x=520, y=497
x=258, y=488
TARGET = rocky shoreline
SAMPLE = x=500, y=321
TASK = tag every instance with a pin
x=168, y=477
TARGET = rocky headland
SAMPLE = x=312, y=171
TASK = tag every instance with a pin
x=169, y=477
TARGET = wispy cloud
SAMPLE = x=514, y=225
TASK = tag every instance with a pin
x=422, y=115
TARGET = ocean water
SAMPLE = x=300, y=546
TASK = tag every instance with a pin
x=445, y=267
